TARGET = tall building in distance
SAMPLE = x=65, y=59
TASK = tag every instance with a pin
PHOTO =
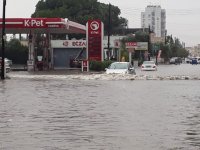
x=155, y=18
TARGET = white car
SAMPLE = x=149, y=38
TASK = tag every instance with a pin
x=8, y=61
x=7, y=65
x=120, y=68
x=148, y=66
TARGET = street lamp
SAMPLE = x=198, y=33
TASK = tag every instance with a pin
x=3, y=42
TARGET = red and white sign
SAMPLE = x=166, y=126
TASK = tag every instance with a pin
x=131, y=44
x=85, y=65
x=74, y=43
x=95, y=40
x=34, y=23
x=95, y=27
x=117, y=44
x=159, y=53
x=137, y=45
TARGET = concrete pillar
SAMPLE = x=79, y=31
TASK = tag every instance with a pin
x=31, y=55
x=130, y=57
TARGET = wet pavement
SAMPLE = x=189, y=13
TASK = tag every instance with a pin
x=48, y=111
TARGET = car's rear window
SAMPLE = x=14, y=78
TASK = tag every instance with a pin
x=119, y=66
x=148, y=62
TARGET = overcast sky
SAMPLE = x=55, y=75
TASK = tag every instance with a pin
x=182, y=16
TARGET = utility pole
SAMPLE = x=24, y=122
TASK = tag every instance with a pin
x=165, y=37
x=3, y=42
x=149, y=43
x=109, y=24
x=167, y=44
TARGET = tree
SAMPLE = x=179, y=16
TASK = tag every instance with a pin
x=172, y=48
x=165, y=51
x=80, y=11
x=16, y=52
x=142, y=36
x=139, y=36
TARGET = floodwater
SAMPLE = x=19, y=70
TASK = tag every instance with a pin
x=65, y=114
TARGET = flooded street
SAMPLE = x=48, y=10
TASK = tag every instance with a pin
x=72, y=114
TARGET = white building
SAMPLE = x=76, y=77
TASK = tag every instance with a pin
x=155, y=18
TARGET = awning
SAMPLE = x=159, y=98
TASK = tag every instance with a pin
x=41, y=25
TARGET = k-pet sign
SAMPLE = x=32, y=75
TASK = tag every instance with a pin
x=95, y=40
x=34, y=23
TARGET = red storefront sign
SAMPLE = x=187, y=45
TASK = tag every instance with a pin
x=117, y=44
x=131, y=44
x=137, y=46
x=74, y=43
x=34, y=23
x=94, y=40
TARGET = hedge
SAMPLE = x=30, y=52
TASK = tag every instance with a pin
x=98, y=65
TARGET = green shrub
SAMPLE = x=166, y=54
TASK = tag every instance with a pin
x=99, y=66
x=140, y=62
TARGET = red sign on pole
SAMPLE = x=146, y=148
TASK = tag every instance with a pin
x=131, y=44
x=85, y=65
x=95, y=40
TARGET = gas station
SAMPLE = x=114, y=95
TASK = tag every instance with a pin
x=43, y=26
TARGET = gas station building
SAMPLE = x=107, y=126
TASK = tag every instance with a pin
x=52, y=58
x=57, y=54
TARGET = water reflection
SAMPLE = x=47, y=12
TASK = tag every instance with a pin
x=60, y=114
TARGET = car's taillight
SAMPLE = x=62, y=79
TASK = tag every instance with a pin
x=154, y=66
x=142, y=66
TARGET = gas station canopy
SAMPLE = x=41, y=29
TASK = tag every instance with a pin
x=41, y=25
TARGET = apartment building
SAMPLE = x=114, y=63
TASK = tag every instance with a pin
x=155, y=18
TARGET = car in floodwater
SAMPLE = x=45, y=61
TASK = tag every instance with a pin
x=120, y=68
x=149, y=66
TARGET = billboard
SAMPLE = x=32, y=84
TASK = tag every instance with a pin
x=137, y=45
x=95, y=40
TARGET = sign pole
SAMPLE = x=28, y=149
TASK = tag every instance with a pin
x=109, y=24
x=3, y=42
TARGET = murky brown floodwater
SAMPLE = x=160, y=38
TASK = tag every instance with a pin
x=61, y=114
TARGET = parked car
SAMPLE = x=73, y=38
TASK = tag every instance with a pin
x=194, y=61
x=6, y=63
x=188, y=60
x=198, y=60
x=172, y=60
x=175, y=60
x=120, y=68
x=148, y=66
x=76, y=61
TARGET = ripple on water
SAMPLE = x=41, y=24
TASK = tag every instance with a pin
x=59, y=113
